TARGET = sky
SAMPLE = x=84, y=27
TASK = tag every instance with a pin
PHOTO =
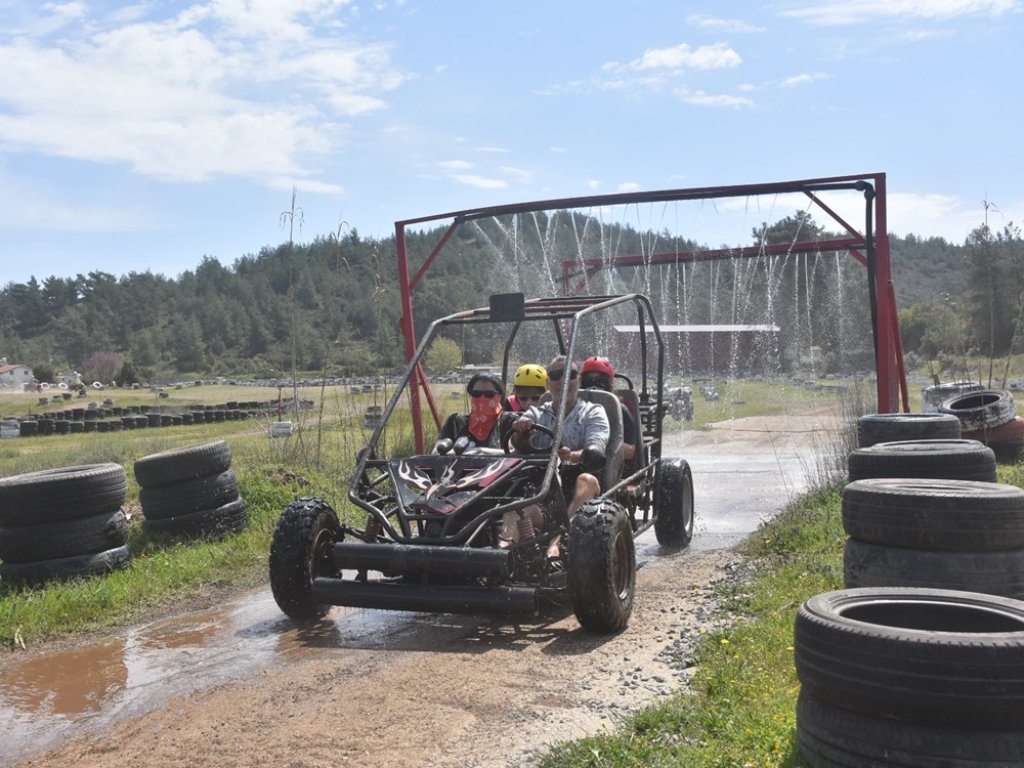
x=146, y=136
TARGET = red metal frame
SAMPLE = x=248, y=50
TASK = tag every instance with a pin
x=870, y=249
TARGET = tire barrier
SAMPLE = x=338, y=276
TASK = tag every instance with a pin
x=191, y=491
x=108, y=418
x=985, y=409
x=910, y=677
x=934, y=396
x=940, y=459
x=875, y=428
x=63, y=523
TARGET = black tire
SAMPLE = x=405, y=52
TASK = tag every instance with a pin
x=28, y=428
x=931, y=657
x=830, y=737
x=96, y=533
x=55, y=495
x=299, y=552
x=601, y=566
x=981, y=410
x=874, y=428
x=181, y=464
x=42, y=571
x=992, y=573
x=226, y=518
x=673, y=503
x=942, y=459
x=935, y=514
x=189, y=496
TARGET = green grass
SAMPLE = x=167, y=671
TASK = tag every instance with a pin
x=741, y=399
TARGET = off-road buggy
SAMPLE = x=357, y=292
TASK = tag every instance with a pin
x=431, y=537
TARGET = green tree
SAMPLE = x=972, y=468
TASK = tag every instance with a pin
x=443, y=355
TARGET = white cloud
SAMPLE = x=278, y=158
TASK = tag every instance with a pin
x=792, y=82
x=455, y=165
x=520, y=175
x=844, y=12
x=480, y=182
x=701, y=21
x=628, y=186
x=682, y=56
x=250, y=88
x=702, y=99
x=495, y=150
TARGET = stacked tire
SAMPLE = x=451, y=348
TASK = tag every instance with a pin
x=989, y=416
x=874, y=428
x=910, y=677
x=63, y=523
x=191, y=492
x=934, y=533
x=940, y=459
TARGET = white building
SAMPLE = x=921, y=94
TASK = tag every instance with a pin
x=15, y=376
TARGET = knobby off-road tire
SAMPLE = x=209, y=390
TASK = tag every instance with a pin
x=673, y=503
x=830, y=737
x=182, y=464
x=48, y=541
x=874, y=428
x=55, y=495
x=980, y=410
x=935, y=514
x=301, y=551
x=601, y=566
x=942, y=459
x=874, y=565
x=41, y=571
x=189, y=496
x=931, y=657
x=226, y=518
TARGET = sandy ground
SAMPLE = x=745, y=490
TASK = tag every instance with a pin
x=434, y=690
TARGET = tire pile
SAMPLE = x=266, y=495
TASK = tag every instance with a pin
x=919, y=661
x=63, y=523
x=989, y=416
x=191, y=491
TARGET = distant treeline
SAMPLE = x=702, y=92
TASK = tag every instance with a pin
x=333, y=304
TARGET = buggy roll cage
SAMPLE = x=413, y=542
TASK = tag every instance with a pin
x=515, y=309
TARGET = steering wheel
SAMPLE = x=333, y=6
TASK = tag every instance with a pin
x=506, y=442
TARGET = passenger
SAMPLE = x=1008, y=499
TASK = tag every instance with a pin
x=480, y=430
x=598, y=373
x=585, y=434
x=528, y=386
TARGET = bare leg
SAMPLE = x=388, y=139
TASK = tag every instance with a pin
x=587, y=488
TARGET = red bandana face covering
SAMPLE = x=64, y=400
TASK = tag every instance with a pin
x=483, y=415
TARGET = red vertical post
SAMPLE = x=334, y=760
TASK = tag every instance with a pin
x=890, y=371
x=409, y=332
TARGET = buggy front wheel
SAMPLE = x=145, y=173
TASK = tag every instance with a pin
x=601, y=566
x=673, y=503
x=301, y=551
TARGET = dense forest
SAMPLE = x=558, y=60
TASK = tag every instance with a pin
x=332, y=304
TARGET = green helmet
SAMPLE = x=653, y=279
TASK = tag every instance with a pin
x=531, y=375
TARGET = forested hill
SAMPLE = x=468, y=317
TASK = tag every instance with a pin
x=329, y=304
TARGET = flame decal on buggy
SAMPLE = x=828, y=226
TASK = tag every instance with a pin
x=456, y=481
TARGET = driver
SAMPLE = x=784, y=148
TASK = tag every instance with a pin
x=585, y=436
x=481, y=429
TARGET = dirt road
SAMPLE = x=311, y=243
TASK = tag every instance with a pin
x=241, y=686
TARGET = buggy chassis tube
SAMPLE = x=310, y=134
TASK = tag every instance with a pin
x=423, y=560
x=419, y=597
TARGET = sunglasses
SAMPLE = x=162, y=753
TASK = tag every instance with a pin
x=558, y=373
x=483, y=393
x=529, y=398
x=594, y=380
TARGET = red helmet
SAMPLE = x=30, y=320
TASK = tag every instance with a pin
x=598, y=365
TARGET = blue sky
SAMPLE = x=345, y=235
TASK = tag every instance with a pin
x=145, y=136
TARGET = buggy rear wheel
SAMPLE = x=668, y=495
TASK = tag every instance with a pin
x=300, y=552
x=673, y=503
x=601, y=566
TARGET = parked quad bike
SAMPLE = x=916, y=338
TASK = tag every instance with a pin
x=431, y=537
